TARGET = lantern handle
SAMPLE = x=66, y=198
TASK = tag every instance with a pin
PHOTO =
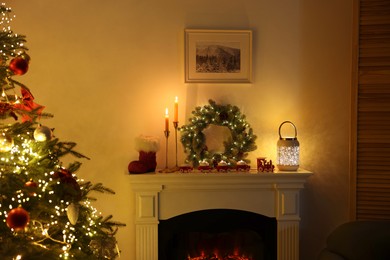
x=289, y=122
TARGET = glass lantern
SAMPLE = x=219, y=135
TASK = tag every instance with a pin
x=287, y=151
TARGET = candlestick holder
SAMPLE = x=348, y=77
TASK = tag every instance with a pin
x=166, y=170
x=166, y=133
x=176, y=125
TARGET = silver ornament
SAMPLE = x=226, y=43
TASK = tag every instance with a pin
x=43, y=133
x=72, y=211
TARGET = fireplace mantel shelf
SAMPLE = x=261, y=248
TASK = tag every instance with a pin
x=161, y=196
x=198, y=178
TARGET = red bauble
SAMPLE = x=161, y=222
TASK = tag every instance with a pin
x=31, y=184
x=18, y=219
x=70, y=189
x=19, y=65
x=31, y=187
x=62, y=174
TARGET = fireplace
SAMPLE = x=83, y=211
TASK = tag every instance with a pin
x=223, y=234
x=162, y=198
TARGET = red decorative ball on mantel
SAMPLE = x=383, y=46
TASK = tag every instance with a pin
x=18, y=218
x=19, y=65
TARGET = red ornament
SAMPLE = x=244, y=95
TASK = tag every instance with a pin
x=62, y=174
x=18, y=219
x=69, y=188
x=31, y=184
x=19, y=65
x=31, y=187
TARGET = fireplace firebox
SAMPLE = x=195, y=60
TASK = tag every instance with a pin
x=218, y=234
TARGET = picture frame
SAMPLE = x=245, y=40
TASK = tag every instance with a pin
x=218, y=56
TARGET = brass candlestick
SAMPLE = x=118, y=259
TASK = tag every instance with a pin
x=175, y=125
x=166, y=133
x=166, y=170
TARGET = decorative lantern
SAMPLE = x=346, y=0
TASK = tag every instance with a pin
x=287, y=151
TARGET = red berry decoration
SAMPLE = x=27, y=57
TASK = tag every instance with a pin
x=19, y=65
x=18, y=219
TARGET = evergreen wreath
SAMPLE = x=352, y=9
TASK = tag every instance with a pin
x=237, y=146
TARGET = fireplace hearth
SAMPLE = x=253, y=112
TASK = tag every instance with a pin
x=160, y=198
x=220, y=234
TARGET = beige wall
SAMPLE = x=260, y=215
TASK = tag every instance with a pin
x=108, y=69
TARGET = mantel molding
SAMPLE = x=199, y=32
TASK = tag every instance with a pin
x=160, y=181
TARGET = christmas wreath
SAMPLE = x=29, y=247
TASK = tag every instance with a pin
x=237, y=146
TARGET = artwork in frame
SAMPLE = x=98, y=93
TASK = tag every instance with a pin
x=218, y=56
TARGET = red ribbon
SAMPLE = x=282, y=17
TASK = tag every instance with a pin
x=28, y=105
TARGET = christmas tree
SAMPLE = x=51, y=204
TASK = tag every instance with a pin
x=45, y=210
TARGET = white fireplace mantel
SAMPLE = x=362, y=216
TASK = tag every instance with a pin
x=160, y=196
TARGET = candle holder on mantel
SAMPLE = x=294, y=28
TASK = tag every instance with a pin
x=176, y=126
x=166, y=170
x=166, y=133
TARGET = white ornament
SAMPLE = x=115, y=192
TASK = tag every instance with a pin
x=42, y=133
x=72, y=211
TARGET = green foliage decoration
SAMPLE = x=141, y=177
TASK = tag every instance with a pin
x=61, y=221
x=237, y=146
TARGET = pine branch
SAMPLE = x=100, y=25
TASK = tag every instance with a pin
x=98, y=187
x=73, y=167
x=108, y=224
x=64, y=148
x=88, y=187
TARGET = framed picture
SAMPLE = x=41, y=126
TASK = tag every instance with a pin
x=218, y=56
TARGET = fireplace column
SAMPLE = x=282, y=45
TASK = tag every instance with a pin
x=287, y=215
x=146, y=221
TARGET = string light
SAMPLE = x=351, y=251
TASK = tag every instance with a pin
x=22, y=159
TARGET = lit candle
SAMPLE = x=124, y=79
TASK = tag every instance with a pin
x=176, y=110
x=166, y=120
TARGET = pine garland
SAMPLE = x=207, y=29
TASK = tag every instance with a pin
x=237, y=146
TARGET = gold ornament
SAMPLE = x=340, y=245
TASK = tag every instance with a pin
x=6, y=143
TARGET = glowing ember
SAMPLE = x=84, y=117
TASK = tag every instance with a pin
x=215, y=257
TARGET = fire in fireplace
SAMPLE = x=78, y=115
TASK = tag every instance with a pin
x=218, y=234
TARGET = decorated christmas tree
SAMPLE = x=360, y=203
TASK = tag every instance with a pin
x=45, y=210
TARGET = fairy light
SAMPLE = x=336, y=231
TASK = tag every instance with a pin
x=22, y=158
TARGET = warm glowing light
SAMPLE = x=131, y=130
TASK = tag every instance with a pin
x=166, y=120
x=287, y=151
x=176, y=110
